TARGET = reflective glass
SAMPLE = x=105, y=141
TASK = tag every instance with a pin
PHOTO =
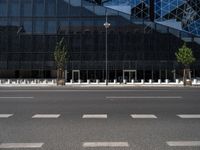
x=38, y=26
x=63, y=6
x=26, y=7
x=14, y=22
x=51, y=26
x=14, y=8
x=3, y=22
x=38, y=7
x=3, y=8
x=28, y=26
x=75, y=2
x=75, y=10
x=50, y=7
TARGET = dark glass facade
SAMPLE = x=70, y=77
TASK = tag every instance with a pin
x=29, y=30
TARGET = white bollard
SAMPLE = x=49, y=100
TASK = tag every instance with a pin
x=115, y=81
x=8, y=81
x=105, y=81
x=79, y=81
x=142, y=81
x=150, y=81
x=124, y=81
x=195, y=81
x=166, y=81
x=159, y=81
x=97, y=81
x=88, y=81
x=177, y=81
x=71, y=81
x=132, y=81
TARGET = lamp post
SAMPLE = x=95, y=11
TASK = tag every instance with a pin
x=107, y=25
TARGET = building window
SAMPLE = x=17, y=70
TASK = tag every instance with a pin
x=50, y=7
x=28, y=26
x=51, y=27
x=39, y=26
x=3, y=8
x=38, y=8
x=14, y=8
x=26, y=8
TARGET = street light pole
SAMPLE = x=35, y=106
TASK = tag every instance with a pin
x=107, y=25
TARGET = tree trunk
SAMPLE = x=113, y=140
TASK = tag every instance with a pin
x=60, y=77
x=187, y=76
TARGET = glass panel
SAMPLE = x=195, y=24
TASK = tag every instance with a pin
x=3, y=6
x=26, y=8
x=75, y=24
x=63, y=6
x=38, y=7
x=63, y=25
x=14, y=9
x=3, y=22
x=50, y=7
x=99, y=10
x=75, y=10
x=89, y=9
x=39, y=26
x=75, y=2
x=13, y=22
x=28, y=26
x=51, y=26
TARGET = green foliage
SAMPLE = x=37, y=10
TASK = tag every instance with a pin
x=61, y=54
x=185, y=55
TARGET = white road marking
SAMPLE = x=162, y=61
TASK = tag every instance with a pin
x=189, y=116
x=95, y=116
x=46, y=116
x=183, y=143
x=143, y=116
x=5, y=115
x=144, y=97
x=21, y=145
x=105, y=144
x=16, y=97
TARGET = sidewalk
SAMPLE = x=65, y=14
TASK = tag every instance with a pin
x=52, y=83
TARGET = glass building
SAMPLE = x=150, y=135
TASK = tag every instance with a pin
x=142, y=41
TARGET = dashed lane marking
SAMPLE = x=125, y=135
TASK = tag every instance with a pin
x=143, y=116
x=46, y=116
x=95, y=116
x=105, y=144
x=189, y=116
x=20, y=145
x=5, y=115
x=144, y=97
x=183, y=143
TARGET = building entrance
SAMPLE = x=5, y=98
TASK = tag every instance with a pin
x=129, y=75
x=75, y=75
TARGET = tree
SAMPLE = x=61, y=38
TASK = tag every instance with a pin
x=185, y=57
x=61, y=58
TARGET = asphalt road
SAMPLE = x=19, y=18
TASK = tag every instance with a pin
x=116, y=122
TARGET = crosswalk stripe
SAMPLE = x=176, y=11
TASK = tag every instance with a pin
x=189, y=116
x=183, y=143
x=105, y=144
x=5, y=115
x=143, y=116
x=46, y=116
x=95, y=116
x=21, y=145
